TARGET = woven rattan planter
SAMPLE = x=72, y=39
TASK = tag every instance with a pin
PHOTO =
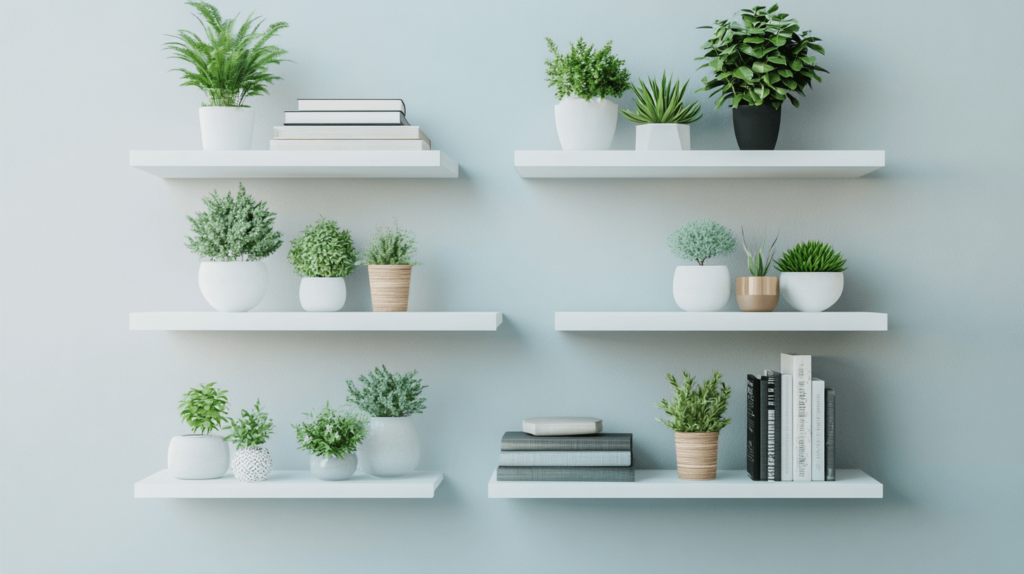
x=389, y=287
x=697, y=455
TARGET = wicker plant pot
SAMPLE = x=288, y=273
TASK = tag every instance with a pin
x=697, y=455
x=757, y=294
x=389, y=287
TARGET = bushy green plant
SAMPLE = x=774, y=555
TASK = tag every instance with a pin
x=662, y=103
x=701, y=239
x=759, y=264
x=323, y=250
x=696, y=410
x=811, y=257
x=760, y=61
x=386, y=394
x=331, y=432
x=390, y=247
x=234, y=228
x=586, y=73
x=229, y=65
x=253, y=428
x=204, y=408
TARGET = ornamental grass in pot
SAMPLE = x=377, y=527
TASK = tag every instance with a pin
x=392, y=445
x=759, y=292
x=701, y=287
x=389, y=263
x=696, y=415
x=323, y=255
x=811, y=276
x=663, y=118
x=331, y=438
x=249, y=433
x=201, y=455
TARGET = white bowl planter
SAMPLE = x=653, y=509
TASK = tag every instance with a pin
x=226, y=128
x=332, y=467
x=198, y=456
x=663, y=137
x=811, y=292
x=233, y=286
x=701, y=287
x=322, y=294
x=391, y=447
x=252, y=464
x=586, y=125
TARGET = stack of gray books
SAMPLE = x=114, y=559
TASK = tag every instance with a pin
x=604, y=457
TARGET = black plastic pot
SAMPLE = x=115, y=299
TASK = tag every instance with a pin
x=756, y=127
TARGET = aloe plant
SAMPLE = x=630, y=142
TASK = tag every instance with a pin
x=759, y=265
x=811, y=257
x=662, y=103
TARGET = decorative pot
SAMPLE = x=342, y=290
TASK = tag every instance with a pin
x=226, y=127
x=233, y=286
x=198, y=456
x=586, y=124
x=701, y=287
x=757, y=293
x=322, y=294
x=697, y=455
x=811, y=292
x=756, y=127
x=391, y=447
x=332, y=467
x=389, y=287
x=663, y=137
x=252, y=464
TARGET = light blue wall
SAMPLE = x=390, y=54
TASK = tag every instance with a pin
x=931, y=408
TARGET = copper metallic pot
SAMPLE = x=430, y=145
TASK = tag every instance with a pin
x=757, y=293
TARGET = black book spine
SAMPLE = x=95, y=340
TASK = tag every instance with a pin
x=763, y=419
x=774, y=427
x=753, y=427
x=830, y=434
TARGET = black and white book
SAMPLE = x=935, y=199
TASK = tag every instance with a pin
x=349, y=145
x=785, y=405
x=350, y=133
x=774, y=416
x=565, y=474
x=817, y=429
x=763, y=418
x=351, y=106
x=517, y=440
x=565, y=458
x=830, y=434
x=345, y=119
x=799, y=367
x=753, y=427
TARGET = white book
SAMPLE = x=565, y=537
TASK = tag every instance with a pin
x=787, y=427
x=351, y=106
x=799, y=367
x=350, y=145
x=818, y=429
x=350, y=133
x=345, y=118
x=565, y=458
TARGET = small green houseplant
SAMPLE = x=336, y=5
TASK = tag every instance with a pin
x=663, y=116
x=331, y=438
x=696, y=415
x=392, y=446
x=758, y=292
x=701, y=287
x=201, y=455
x=811, y=276
x=249, y=433
x=323, y=255
x=389, y=264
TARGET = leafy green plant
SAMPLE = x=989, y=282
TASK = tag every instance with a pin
x=390, y=247
x=760, y=61
x=204, y=408
x=323, y=250
x=234, y=228
x=811, y=257
x=586, y=73
x=386, y=394
x=701, y=240
x=698, y=409
x=759, y=265
x=253, y=428
x=229, y=65
x=331, y=432
x=662, y=103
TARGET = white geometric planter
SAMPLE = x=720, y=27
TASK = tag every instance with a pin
x=586, y=125
x=811, y=292
x=233, y=286
x=332, y=467
x=252, y=464
x=663, y=137
x=391, y=447
x=701, y=287
x=322, y=294
x=198, y=456
x=226, y=128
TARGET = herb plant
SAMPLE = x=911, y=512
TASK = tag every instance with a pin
x=698, y=409
x=230, y=64
x=761, y=60
x=251, y=429
x=331, y=432
x=234, y=228
x=386, y=394
x=323, y=250
x=390, y=247
x=203, y=409
x=662, y=103
x=758, y=265
x=701, y=240
x=585, y=73
x=811, y=257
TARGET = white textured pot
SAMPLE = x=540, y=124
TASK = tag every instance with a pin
x=811, y=292
x=226, y=128
x=198, y=456
x=332, y=467
x=233, y=286
x=586, y=125
x=391, y=447
x=663, y=137
x=701, y=287
x=252, y=464
x=322, y=294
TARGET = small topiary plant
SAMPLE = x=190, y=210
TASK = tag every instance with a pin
x=234, y=228
x=759, y=265
x=696, y=410
x=585, y=73
x=251, y=429
x=323, y=250
x=662, y=103
x=331, y=432
x=386, y=394
x=390, y=247
x=700, y=240
x=203, y=409
x=811, y=257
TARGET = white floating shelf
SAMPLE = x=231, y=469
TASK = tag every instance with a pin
x=666, y=484
x=738, y=321
x=698, y=164
x=291, y=484
x=305, y=321
x=295, y=164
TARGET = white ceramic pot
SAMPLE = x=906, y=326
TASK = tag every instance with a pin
x=226, y=128
x=586, y=125
x=701, y=287
x=233, y=286
x=252, y=464
x=332, y=467
x=322, y=294
x=391, y=447
x=811, y=292
x=198, y=456
x=663, y=137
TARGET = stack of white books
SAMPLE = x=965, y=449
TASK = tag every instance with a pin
x=348, y=125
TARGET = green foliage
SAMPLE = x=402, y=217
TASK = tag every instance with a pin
x=701, y=239
x=229, y=65
x=390, y=247
x=758, y=265
x=586, y=73
x=811, y=257
x=323, y=250
x=662, y=104
x=760, y=61
x=386, y=394
x=233, y=228
x=203, y=408
x=696, y=410
x=331, y=432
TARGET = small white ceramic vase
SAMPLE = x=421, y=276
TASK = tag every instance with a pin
x=322, y=294
x=663, y=137
x=198, y=456
x=701, y=287
x=233, y=286
x=332, y=467
x=252, y=464
x=226, y=128
x=811, y=292
x=586, y=125
x=391, y=447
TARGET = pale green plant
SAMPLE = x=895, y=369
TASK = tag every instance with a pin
x=204, y=409
x=251, y=429
x=700, y=409
x=662, y=103
x=701, y=239
x=390, y=247
x=331, y=432
x=323, y=250
x=586, y=73
x=759, y=264
x=234, y=228
x=386, y=394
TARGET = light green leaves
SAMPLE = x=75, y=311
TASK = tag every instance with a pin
x=662, y=103
x=386, y=394
x=696, y=410
x=323, y=250
x=253, y=428
x=234, y=228
x=331, y=432
x=759, y=265
x=390, y=247
x=203, y=408
x=813, y=257
x=701, y=239
x=586, y=73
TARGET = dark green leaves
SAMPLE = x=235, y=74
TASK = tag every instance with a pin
x=323, y=250
x=203, y=408
x=696, y=410
x=811, y=257
x=586, y=73
x=234, y=228
x=386, y=394
x=662, y=103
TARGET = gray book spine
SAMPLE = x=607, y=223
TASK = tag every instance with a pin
x=564, y=458
x=564, y=474
x=830, y=434
x=513, y=440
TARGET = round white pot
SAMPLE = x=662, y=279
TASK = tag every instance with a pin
x=391, y=447
x=226, y=128
x=663, y=137
x=701, y=287
x=322, y=294
x=233, y=286
x=332, y=467
x=252, y=464
x=811, y=292
x=198, y=456
x=586, y=125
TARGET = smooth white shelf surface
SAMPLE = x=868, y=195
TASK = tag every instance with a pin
x=719, y=321
x=305, y=321
x=295, y=164
x=698, y=164
x=666, y=484
x=291, y=484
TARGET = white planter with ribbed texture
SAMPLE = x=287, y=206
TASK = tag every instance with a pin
x=233, y=286
x=226, y=127
x=701, y=287
x=198, y=456
x=391, y=447
x=586, y=125
x=322, y=294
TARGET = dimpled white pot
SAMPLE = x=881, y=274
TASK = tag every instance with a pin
x=586, y=125
x=701, y=287
x=811, y=292
x=252, y=464
x=391, y=447
x=663, y=137
x=226, y=128
x=322, y=294
x=198, y=456
x=332, y=467
x=233, y=286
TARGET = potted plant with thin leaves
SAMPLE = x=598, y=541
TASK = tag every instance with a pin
x=331, y=438
x=662, y=116
x=234, y=234
x=757, y=62
x=811, y=276
x=701, y=287
x=696, y=415
x=392, y=445
x=201, y=455
x=249, y=433
x=759, y=291
x=389, y=264
x=323, y=255
x=584, y=79
x=230, y=62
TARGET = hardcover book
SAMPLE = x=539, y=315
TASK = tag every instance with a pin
x=561, y=426
x=786, y=425
x=345, y=118
x=515, y=440
x=817, y=429
x=350, y=133
x=799, y=367
x=763, y=418
x=351, y=106
x=830, y=434
x=349, y=145
x=565, y=458
x=565, y=474
x=753, y=427
x=774, y=427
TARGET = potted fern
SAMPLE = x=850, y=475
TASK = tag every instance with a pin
x=323, y=255
x=759, y=292
x=389, y=262
x=200, y=455
x=663, y=118
x=584, y=79
x=249, y=433
x=696, y=415
x=230, y=63
x=811, y=276
x=701, y=287
x=392, y=445
x=331, y=438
